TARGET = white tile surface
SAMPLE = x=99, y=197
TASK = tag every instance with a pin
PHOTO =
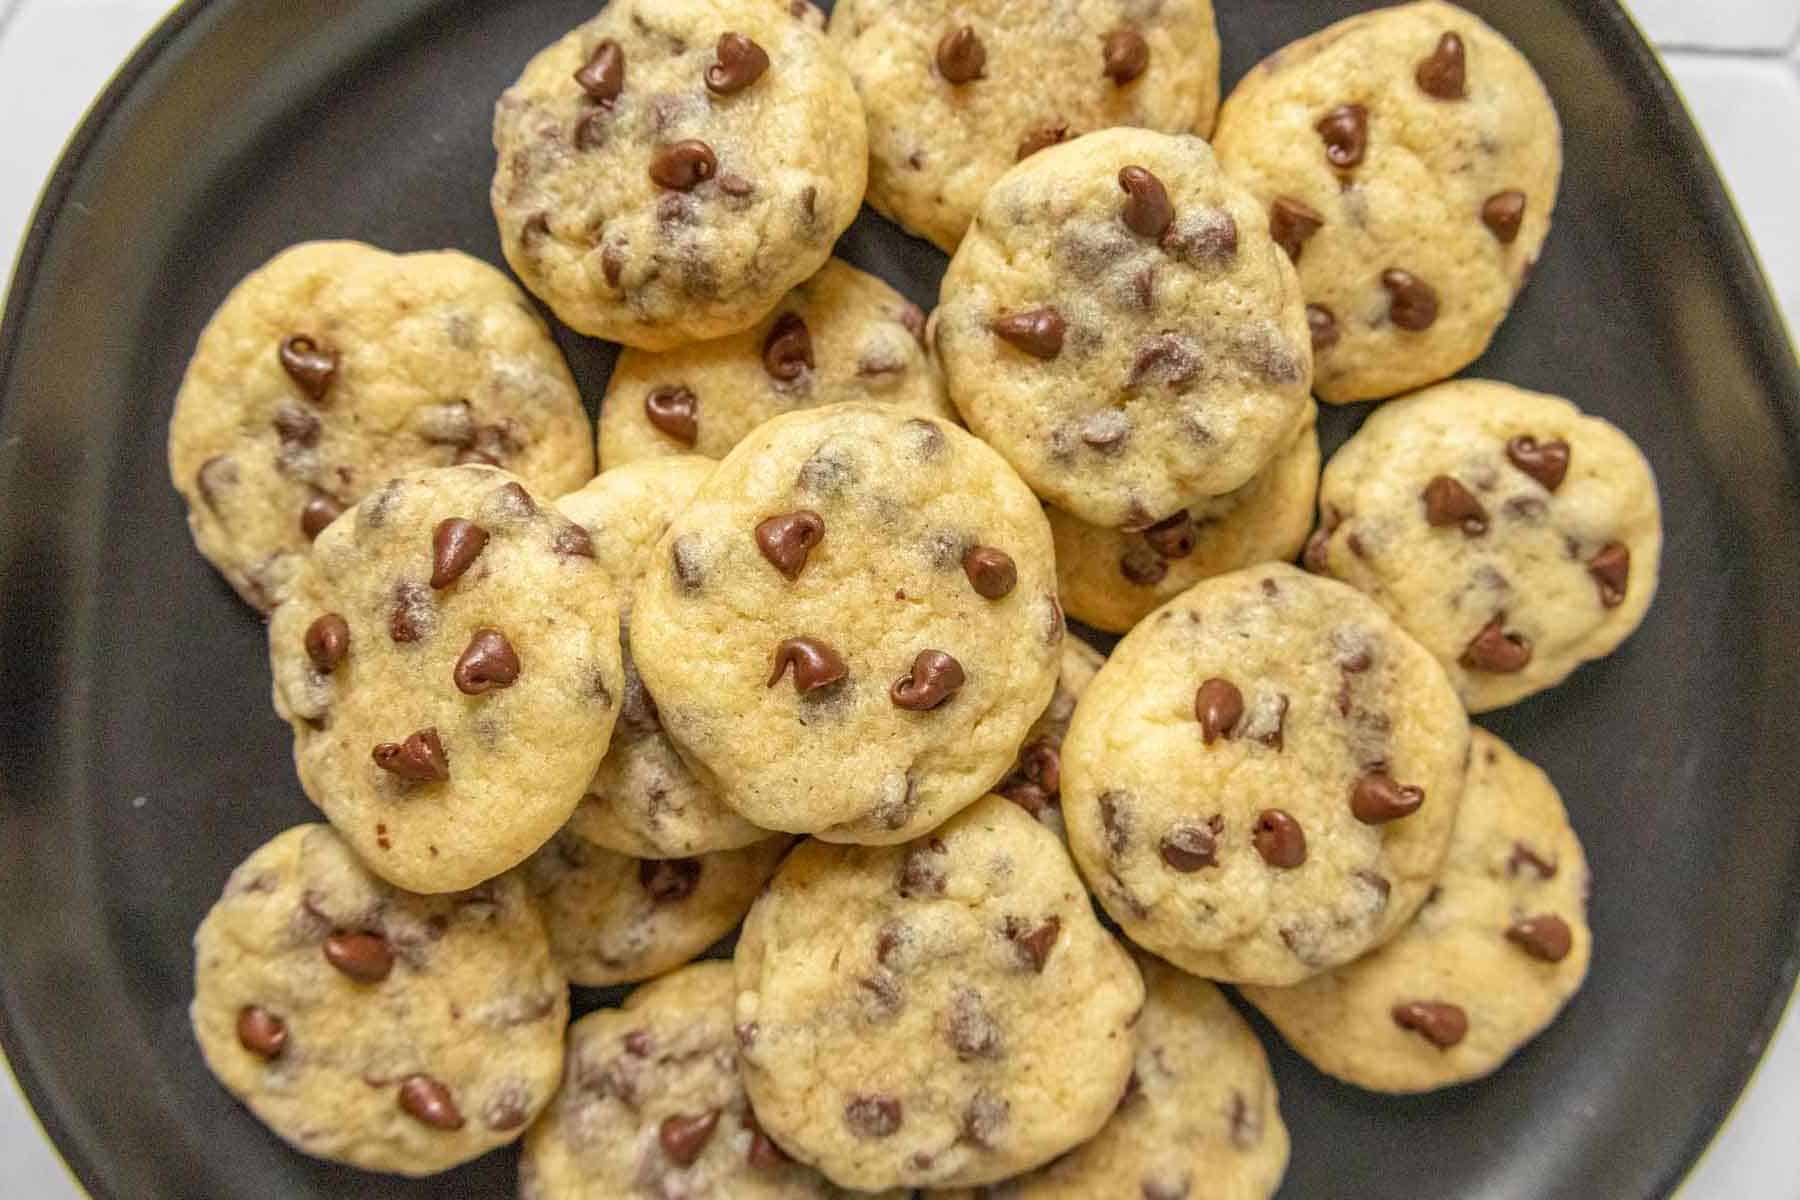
x=55, y=55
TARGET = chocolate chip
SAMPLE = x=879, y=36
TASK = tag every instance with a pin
x=414, y=615
x=590, y=134
x=1188, y=847
x=933, y=679
x=1545, y=936
x=961, y=57
x=1610, y=567
x=1377, y=798
x=296, y=427
x=973, y=1033
x=309, y=364
x=741, y=62
x=913, y=318
x=1027, y=795
x=1321, y=322
x=419, y=758
x=489, y=662
x=1038, y=331
x=1291, y=223
x=1033, y=943
x=815, y=664
x=920, y=872
x=429, y=1102
x=1173, y=537
x=1279, y=839
x=874, y=1116
x=1148, y=211
x=318, y=513
x=1524, y=856
x=455, y=544
x=572, y=541
x=1443, y=1025
x=1264, y=719
x=535, y=229
x=364, y=957
x=1448, y=502
x=1170, y=358
x=1546, y=462
x=787, y=351
x=261, y=1032
x=683, y=166
x=638, y=1043
x=669, y=880
x=327, y=641
x=787, y=539
x=733, y=184
x=1502, y=213
x=1345, y=130
x=1412, y=303
x=984, y=1118
x=675, y=411
x=1143, y=567
x=612, y=265
x=507, y=1110
x=1442, y=73
x=217, y=474
x=1041, y=762
x=1497, y=651
x=1115, y=821
x=1041, y=138
x=763, y=1154
x=1106, y=430
x=1218, y=706
x=991, y=571
x=683, y=1137
x=602, y=77
x=1127, y=55
x=687, y=564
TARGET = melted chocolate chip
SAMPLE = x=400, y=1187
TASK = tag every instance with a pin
x=1497, y=651
x=1448, y=502
x=1378, y=798
x=681, y=1136
x=1503, y=213
x=1412, y=303
x=675, y=411
x=1126, y=55
x=985, y=1118
x=763, y=1154
x=420, y=758
x=1038, y=331
x=1610, y=568
x=364, y=957
x=489, y=662
x=787, y=351
x=973, y=1033
x=740, y=63
x=815, y=664
x=1443, y=1025
x=1173, y=537
x=327, y=641
x=455, y=544
x=1148, y=211
x=261, y=1032
x=788, y=539
x=1279, y=839
x=1188, y=847
x=1143, y=567
x=683, y=166
x=1524, y=857
x=296, y=427
x=920, y=872
x=1546, y=462
x=1321, y=322
x=318, y=513
x=1291, y=223
x=429, y=1102
x=602, y=77
x=1115, y=821
x=1443, y=73
x=414, y=613
x=572, y=541
x=1345, y=131
x=1218, y=706
x=1041, y=138
x=874, y=1116
x=991, y=571
x=309, y=364
x=933, y=679
x=1545, y=937
x=1033, y=943
x=590, y=134
x=961, y=57
x=668, y=880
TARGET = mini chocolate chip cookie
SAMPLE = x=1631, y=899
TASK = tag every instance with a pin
x=1111, y=579
x=1492, y=957
x=1515, y=537
x=616, y=919
x=449, y=662
x=943, y=1013
x=1199, y=1116
x=1408, y=159
x=841, y=335
x=852, y=626
x=370, y=1026
x=671, y=168
x=1261, y=782
x=336, y=366
x=1035, y=782
x=958, y=92
x=1121, y=327
x=652, y=1106
x=644, y=801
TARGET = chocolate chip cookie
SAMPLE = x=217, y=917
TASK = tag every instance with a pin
x=1199, y=1116
x=958, y=92
x=1513, y=536
x=449, y=662
x=1035, y=782
x=671, y=168
x=1111, y=579
x=852, y=626
x=334, y=367
x=643, y=800
x=1408, y=159
x=652, y=1107
x=616, y=919
x=370, y=1026
x=1492, y=957
x=946, y=1012
x=1261, y=782
x=1120, y=326
x=841, y=335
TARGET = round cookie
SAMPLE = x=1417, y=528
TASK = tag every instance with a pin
x=1490, y=960
x=334, y=367
x=943, y=1013
x=1199, y=1119
x=369, y=1026
x=1119, y=325
x=1111, y=579
x=1409, y=159
x=643, y=800
x=671, y=168
x=653, y=1107
x=1513, y=536
x=449, y=662
x=1035, y=781
x=841, y=335
x=1261, y=782
x=851, y=627
x=958, y=92
x=615, y=919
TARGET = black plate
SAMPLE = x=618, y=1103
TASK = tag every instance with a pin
x=139, y=758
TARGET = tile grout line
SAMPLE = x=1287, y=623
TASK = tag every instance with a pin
x=1746, y=53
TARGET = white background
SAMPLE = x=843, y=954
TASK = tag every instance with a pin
x=1736, y=61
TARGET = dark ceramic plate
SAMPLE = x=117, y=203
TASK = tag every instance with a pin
x=139, y=758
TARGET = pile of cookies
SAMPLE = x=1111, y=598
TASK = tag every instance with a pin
x=796, y=657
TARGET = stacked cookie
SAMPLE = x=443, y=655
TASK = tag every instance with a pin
x=797, y=657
